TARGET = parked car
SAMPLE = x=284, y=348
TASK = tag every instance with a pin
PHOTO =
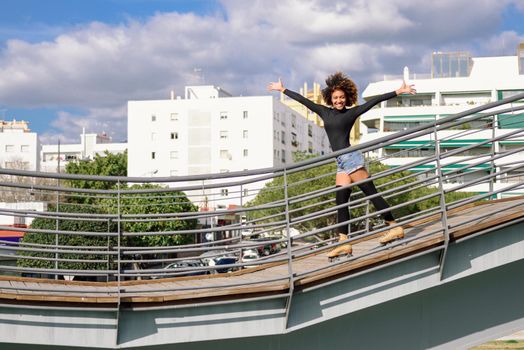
x=224, y=260
x=183, y=264
x=268, y=248
x=249, y=256
x=212, y=255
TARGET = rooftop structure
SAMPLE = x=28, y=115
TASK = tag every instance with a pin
x=458, y=83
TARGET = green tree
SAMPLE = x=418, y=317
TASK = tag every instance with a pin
x=298, y=185
x=108, y=164
x=69, y=240
x=154, y=203
x=274, y=191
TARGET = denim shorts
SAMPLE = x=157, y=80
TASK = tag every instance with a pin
x=350, y=162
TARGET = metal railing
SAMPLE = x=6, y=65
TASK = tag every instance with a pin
x=177, y=226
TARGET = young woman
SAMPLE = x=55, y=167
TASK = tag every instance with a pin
x=341, y=94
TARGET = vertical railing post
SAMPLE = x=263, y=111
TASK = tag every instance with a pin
x=57, y=224
x=119, y=238
x=242, y=224
x=443, y=207
x=289, y=253
x=367, y=217
x=367, y=207
x=108, y=264
x=119, y=267
x=492, y=169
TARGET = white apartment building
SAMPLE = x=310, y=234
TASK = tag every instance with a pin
x=19, y=147
x=90, y=145
x=458, y=82
x=210, y=131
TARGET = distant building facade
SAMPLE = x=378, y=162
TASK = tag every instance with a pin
x=210, y=131
x=90, y=145
x=19, y=147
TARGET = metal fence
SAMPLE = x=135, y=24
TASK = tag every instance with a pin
x=123, y=228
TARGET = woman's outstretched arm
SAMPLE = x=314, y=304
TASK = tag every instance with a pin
x=279, y=86
x=403, y=89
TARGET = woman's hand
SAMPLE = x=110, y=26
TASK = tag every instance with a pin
x=406, y=89
x=278, y=86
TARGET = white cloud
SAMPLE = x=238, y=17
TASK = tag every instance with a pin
x=502, y=44
x=98, y=67
x=519, y=4
x=69, y=125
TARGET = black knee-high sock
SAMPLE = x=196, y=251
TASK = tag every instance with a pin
x=380, y=203
x=342, y=197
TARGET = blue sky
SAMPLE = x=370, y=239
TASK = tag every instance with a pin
x=68, y=64
x=36, y=20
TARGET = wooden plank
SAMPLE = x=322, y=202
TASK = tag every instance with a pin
x=369, y=261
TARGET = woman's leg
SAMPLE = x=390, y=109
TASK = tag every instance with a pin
x=369, y=189
x=342, y=197
x=380, y=203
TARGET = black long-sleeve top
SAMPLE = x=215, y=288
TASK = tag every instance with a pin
x=337, y=123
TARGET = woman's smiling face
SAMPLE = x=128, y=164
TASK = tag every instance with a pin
x=338, y=99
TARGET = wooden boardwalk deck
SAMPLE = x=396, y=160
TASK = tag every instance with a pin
x=270, y=278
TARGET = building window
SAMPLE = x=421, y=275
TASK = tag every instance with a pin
x=153, y=136
x=244, y=134
x=153, y=155
x=245, y=152
x=293, y=120
x=283, y=137
x=294, y=141
x=224, y=192
x=223, y=134
x=223, y=115
x=246, y=192
x=244, y=115
x=174, y=154
x=153, y=118
x=174, y=136
x=224, y=154
x=174, y=116
x=310, y=130
x=283, y=156
x=310, y=147
x=24, y=148
x=9, y=148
